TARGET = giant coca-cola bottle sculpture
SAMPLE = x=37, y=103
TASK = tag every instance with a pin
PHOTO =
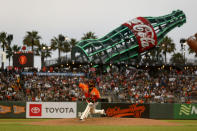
x=128, y=40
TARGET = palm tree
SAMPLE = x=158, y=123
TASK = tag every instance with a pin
x=32, y=39
x=10, y=51
x=3, y=36
x=177, y=58
x=2, y=40
x=43, y=51
x=167, y=46
x=9, y=39
x=89, y=35
x=16, y=48
x=73, y=42
x=61, y=44
x=6, y=43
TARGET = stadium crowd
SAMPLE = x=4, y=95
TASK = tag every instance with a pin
x=131, y=85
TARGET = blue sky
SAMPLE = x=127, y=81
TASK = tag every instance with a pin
x=73, y=18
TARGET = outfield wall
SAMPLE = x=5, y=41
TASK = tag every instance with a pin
x=51, y=109
x=185, y=111
x=126, y=110
x=12, y=109
x=75, y=109
x=161, y=111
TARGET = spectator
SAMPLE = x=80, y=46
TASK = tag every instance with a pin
x=135, y=86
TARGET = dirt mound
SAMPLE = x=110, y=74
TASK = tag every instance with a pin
x=106, y=121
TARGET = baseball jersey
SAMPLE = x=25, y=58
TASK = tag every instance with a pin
x=94, y=94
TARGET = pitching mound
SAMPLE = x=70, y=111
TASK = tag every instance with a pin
x=106, y=121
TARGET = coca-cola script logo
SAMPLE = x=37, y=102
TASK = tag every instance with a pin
x=35, y=109
x=144, y=32
x=133, y=110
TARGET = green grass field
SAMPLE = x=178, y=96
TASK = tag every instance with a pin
x=19, y=125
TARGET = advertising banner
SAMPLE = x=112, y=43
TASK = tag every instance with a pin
x=53, y=74
x=126, y=110
x=12, y=109
x=51, y=110
x=185, y=111
x=23, y=60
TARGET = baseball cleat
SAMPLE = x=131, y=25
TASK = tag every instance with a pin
x=81, y=119
x=104, y=112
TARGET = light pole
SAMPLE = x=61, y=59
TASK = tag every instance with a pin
x=44, y=52
x=183, y=44
x=67, y=40
x=164, y=52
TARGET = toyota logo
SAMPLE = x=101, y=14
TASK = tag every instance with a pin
x=35, y=110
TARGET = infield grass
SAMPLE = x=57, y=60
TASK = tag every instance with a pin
x=19, y=125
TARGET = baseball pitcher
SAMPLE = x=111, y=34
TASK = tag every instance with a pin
x=92, y=95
